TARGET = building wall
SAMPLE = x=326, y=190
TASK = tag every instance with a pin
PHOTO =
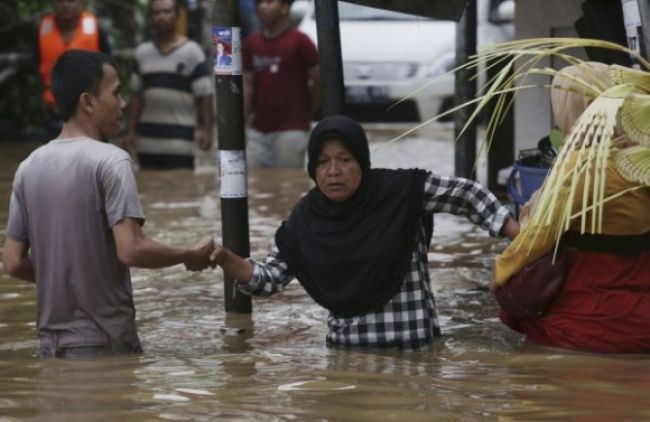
x=535, y=19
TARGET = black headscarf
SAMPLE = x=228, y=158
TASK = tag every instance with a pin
x=352, y=256
x=344, y=129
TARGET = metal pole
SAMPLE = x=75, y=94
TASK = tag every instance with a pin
x=465, y=149
x=644, y=11
x=329, y=52
x=634, y=27
x=636, y=16
x=232, y=146
x=502, y=151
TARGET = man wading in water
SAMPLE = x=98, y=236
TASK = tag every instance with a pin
x=75, y=220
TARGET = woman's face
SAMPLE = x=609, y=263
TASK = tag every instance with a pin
x=338, y=174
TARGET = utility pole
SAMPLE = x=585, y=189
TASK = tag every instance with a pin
x=635, y=18
x=644, y=13
x=232, y=147
x=329, y=53
x=502, y=151
x=465, y=149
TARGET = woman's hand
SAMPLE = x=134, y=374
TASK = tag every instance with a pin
x=510, y=228
x=528, y=208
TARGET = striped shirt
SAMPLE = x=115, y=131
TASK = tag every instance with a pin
x=409, y=319
x=170, y=84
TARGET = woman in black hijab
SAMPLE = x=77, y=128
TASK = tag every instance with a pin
x=358, y=241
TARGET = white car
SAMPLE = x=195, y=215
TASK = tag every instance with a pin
x=388, y=55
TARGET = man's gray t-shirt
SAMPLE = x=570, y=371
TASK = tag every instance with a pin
x=67, y=195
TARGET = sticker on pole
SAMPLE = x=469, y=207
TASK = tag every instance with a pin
x=233, y=174
x=226, y=46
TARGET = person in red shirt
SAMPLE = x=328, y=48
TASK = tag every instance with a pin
x=281, y=88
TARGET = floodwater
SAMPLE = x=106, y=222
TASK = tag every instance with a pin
x=203, y=365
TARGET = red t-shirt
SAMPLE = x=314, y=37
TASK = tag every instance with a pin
x=281, y=99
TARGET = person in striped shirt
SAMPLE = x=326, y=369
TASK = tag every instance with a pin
x=172, y=94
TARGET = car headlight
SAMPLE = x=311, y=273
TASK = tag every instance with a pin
x=441, y=65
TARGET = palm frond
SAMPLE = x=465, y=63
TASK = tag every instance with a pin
x=574, y=190
x=582, y=160
x=635, y=117
x=625, y=75
x=634, y=164
x=522, y=57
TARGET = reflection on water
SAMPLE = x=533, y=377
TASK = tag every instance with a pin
x=203, y=365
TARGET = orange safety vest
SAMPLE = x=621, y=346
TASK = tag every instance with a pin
x=51, y=46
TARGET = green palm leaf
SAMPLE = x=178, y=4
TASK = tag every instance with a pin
x=625, y=75
x=635, y=117
x=583, y=159
x=523, y=58
x=634, y=164
x=591, y=140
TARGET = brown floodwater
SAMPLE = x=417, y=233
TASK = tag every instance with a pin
x=202, y=365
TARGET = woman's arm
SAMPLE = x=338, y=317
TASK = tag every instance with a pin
x=457, y=195
x=253, y=277
x=236, y=266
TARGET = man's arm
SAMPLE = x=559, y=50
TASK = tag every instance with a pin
x=16, y=260
x=206, y=120
x=314, y=88
x=137, y=104
x=135, y=249
x=249, y=92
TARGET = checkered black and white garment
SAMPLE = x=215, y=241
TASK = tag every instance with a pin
x=409, y=319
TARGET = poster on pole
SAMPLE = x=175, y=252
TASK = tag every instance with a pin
x=233, y=174
x=226, y=47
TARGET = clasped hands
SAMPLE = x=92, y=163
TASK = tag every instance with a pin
x=203, y=255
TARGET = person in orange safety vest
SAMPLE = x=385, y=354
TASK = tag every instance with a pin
x=68, y=27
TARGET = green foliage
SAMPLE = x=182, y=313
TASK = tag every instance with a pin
x=557, y=140
x=20, y=100
x=21, y=107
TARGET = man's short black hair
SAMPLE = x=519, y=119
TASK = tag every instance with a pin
x=76, y=72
